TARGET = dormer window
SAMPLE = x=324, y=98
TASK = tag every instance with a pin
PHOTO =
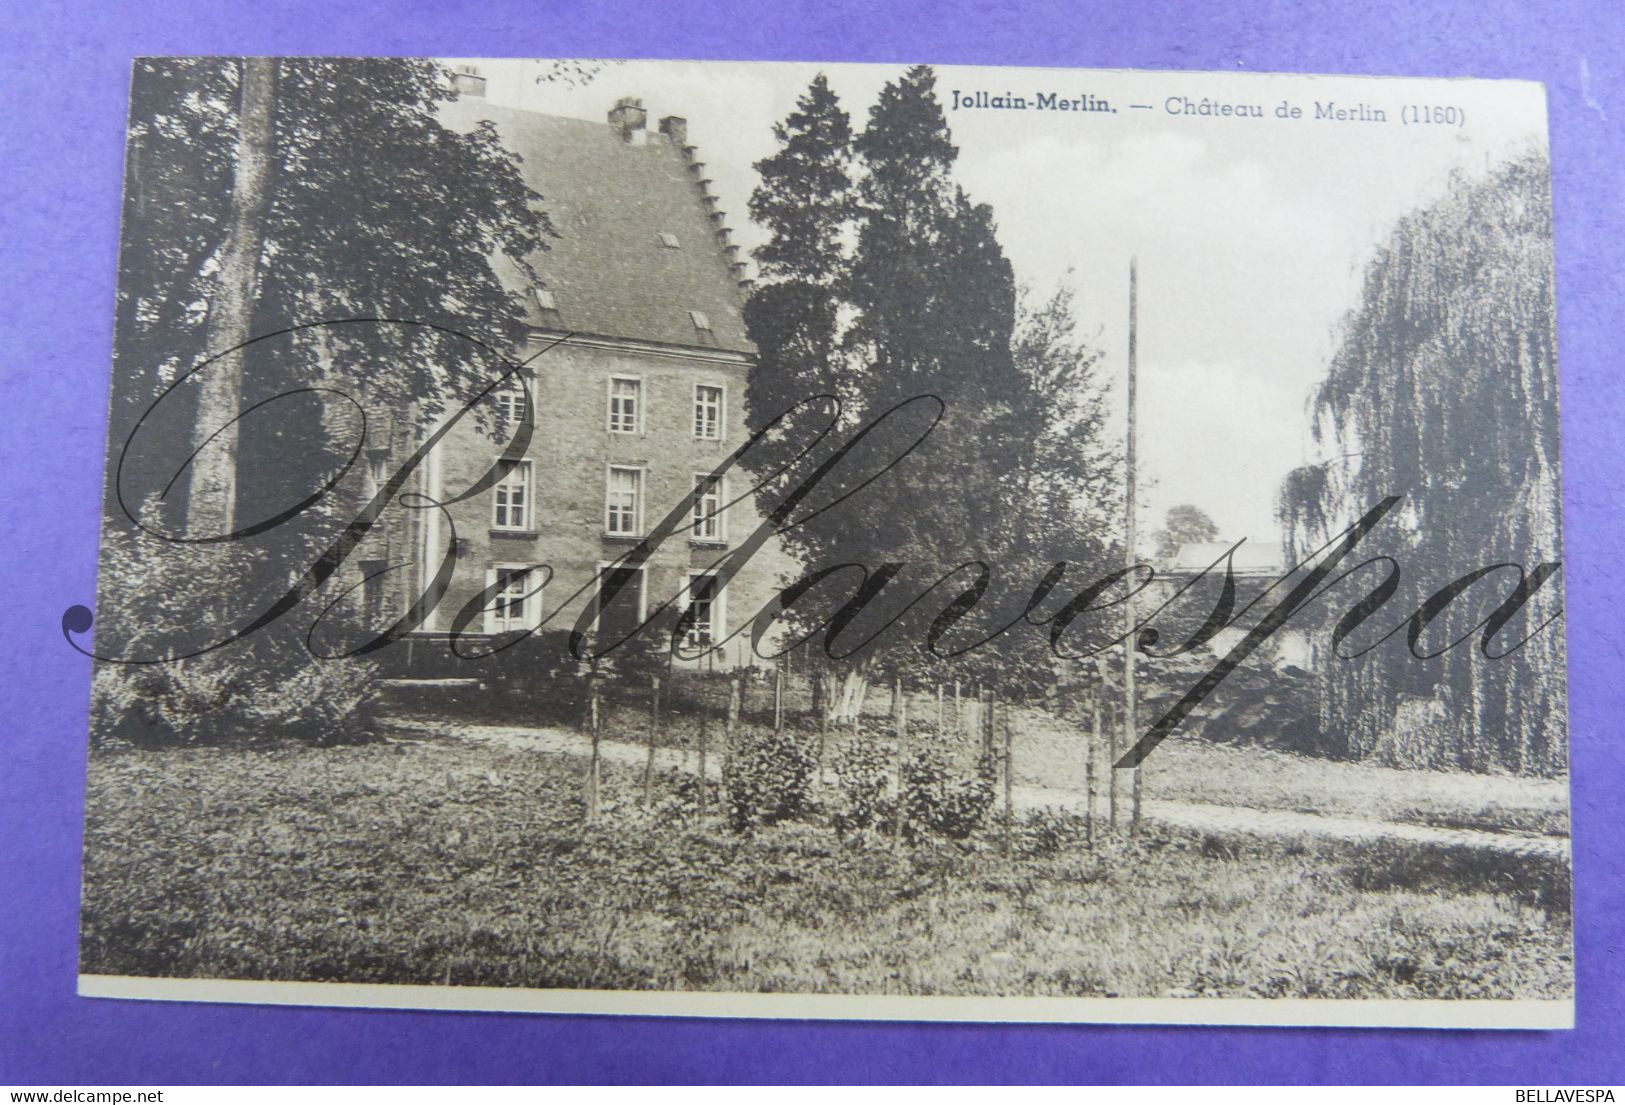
x=669, y=240
x=700, y=320
x=545, y=300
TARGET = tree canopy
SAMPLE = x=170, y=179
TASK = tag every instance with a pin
x=1444, y=390
x=884, y=286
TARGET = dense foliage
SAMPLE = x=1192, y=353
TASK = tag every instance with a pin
x=1444, y=390
x=885, y=292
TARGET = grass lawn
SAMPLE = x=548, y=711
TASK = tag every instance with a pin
x=435, y=861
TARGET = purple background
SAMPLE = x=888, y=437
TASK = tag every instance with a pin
x=61, y=135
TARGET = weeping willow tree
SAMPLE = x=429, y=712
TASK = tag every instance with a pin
x=1444, y=390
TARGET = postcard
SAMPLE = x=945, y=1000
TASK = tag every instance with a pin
x=835, y=541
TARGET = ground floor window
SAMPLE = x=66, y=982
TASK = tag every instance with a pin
x=516, y=598
x=703, y=617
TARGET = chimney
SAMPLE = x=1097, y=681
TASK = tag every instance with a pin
x=467, y=81
x=675, y=128
x=629, y=117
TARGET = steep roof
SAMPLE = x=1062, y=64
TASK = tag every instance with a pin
x=610, y=201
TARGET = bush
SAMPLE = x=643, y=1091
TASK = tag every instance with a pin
x=768, y=781
x=860, y=767
x=155, y=601
x=936, y=802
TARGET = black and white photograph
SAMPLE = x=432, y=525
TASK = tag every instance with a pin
x=748, y=539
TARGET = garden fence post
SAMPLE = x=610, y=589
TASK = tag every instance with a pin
x=1134, y=801
x=900, y=720
x=1009, y=766
x=778, y=696
x=735, y=684
x=592, y=763
x=1093, y=738
x=1112, y=730
x=823, y=731
x=940, y=720
x=654, y=738
x=705, y=702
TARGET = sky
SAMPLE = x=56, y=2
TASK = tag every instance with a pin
x=1250, y=235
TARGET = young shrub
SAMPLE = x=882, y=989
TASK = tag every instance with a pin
x=156, y=599
x=863, y=779
x=768, y=781
x=938, y=803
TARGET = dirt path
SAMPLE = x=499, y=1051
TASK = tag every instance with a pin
x=1197, y=816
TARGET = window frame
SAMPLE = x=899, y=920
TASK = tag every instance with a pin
x=719, y=609
x=528, y=505
x=530, y=609
x=510, y=395
x=609, y=403
x=722, y=411
x=637, y=499
x=718, y=520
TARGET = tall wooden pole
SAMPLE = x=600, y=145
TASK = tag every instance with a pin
x=1130, y=727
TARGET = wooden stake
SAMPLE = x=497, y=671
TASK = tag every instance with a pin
x=1093, y=739
x=778, y=697
x=592, y=765
x=823, y=730
x=704, y=716
x=1111, y=775
x=900, y=720
x=654, y=738
x=1009, y=769
x=735, y=693
x=940, y=719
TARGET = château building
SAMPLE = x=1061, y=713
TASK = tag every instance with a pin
x=638, y=395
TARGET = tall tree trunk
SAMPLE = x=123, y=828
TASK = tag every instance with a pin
x=848, y=703
x=211, y=504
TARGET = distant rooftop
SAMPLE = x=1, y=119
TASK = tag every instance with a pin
x=1252, y=558
x=640, y=251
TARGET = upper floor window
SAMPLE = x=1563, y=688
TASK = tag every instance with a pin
x=708, y=516
x=669, y=240
x=545, y=300
x=510, y=402
x=512, y=498
x=623, y=502
x=708, y=412
x=701, y=320
x=515, y=602
x=378, y=473
x=625, y=404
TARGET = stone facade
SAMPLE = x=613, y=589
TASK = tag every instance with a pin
x=638, y=367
